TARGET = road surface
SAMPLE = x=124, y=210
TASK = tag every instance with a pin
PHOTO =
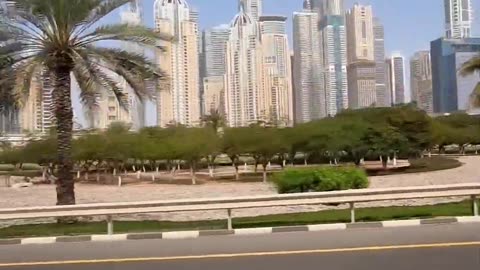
x=438, y=247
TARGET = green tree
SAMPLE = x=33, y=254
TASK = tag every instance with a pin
x=194, y=144
x=54, y=39
x=264, y=144
x=234, y=141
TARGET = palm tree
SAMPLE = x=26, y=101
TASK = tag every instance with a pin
x=56, y=39
x=214, y=119
x=469, y=68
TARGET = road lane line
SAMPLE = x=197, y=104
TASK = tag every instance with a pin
x=242, y=255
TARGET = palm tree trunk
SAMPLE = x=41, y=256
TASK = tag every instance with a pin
x=64, y=120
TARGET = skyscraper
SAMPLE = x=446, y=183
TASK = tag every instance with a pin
x=334, y=42
x=37, y=113
x=178, y=101
x=252, y=7
x=452, y=91
x=396, y=78
x=421, y=80
x=383, y=94
x=309, y=94
x=328, y=7
x=458, y=18
x=213, y=68
x=214, y=46
x=277, y=97
x=244, y=74
x=361, y=57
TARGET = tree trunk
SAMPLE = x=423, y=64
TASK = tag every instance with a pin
x=210, y=171
x=237, y=175
x=192, y=173
x=64, y=120
x=265, y=173
x=384, y=163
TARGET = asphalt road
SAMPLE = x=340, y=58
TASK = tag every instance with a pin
x=438, y=247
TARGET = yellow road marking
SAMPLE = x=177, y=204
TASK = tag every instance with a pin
x=240, y=255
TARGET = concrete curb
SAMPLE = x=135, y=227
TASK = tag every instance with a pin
x=239, y=232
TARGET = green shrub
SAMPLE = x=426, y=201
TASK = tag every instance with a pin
x=320, y=179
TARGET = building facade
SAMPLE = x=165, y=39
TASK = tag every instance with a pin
x=308, y=73
x=244, y=72
x=396, y=78
x=361, y=57
x=458, y=18
x=384, y=98
x=36, y=115
x=252, y=7
x=278, y=94
x=451, y=91
x=334, y=43
x=213, y=68
x=178, y=99
x=328, y=7
x=421, y=80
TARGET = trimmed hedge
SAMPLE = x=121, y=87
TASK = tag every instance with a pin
x=320, y=179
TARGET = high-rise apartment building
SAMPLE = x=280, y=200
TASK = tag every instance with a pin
x=328, y=7
x=396, y=78
x=308, y=73
x=178, y=99
x=37, y=113
x=421, y=80
x=277, y=97
x=252, y=7
x=452, y=91
x=458, y=18
x=383, y=93
x=361, y=57
x=213, y=95
x=334, y=42
x=213, y=68
x=214, y=46
x=244, y=73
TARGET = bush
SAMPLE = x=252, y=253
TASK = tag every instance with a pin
x=320, y=179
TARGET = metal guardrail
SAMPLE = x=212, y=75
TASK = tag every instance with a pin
x=350, y=197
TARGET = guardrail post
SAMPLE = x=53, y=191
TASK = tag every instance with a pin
x=352, y=212
x=109, y=225
x=475, y=205
x=229, y=220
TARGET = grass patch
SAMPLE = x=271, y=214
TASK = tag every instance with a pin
x=30, y=174
x=435, y=163
x=330, y=216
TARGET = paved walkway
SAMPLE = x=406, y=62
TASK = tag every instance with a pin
x=45, y=195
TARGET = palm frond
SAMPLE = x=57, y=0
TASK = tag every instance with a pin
x=475, y=96
x=24, y=74
x=134, y=68
x=470, y=66
x=123, y=32
x=101, y=9
x=93, y=80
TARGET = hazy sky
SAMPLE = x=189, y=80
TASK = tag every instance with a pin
x=410, y=25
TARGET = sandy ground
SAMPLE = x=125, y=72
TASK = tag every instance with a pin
x=45, y=195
